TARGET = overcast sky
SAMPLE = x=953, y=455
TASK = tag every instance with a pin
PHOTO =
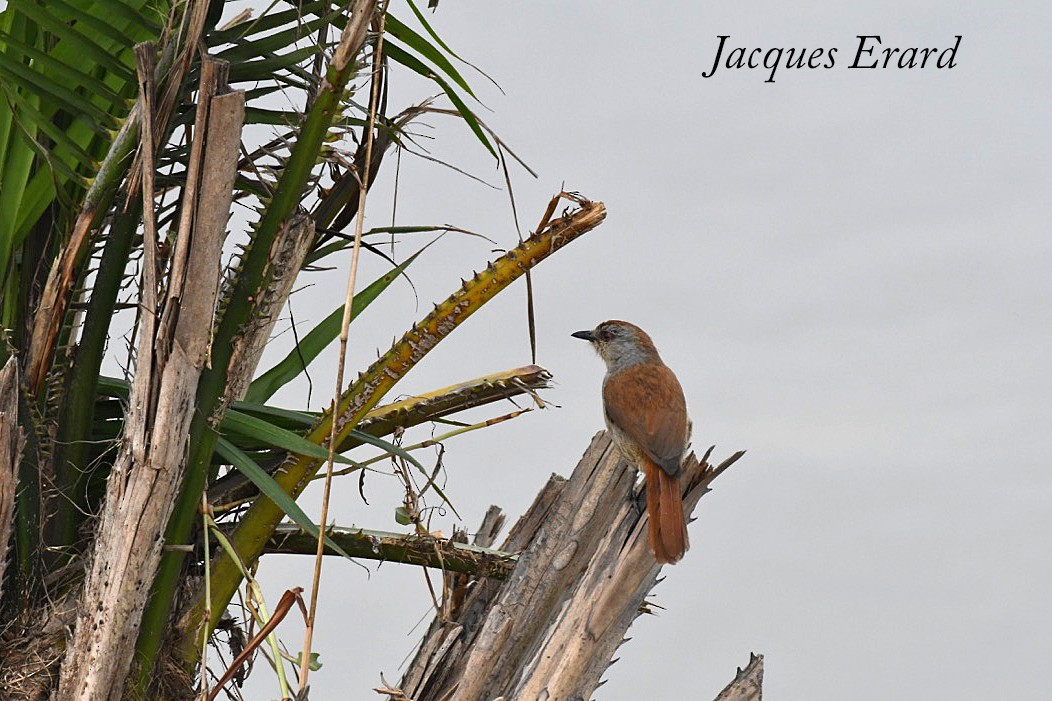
x=849, y=269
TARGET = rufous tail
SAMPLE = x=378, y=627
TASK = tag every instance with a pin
x=668, y=527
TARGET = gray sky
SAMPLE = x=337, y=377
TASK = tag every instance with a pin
x=848, y=270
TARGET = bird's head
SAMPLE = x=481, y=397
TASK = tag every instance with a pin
x=620, y=344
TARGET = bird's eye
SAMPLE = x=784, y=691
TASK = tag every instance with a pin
x=604, y=334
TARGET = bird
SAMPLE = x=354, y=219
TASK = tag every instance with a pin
x=646, y=416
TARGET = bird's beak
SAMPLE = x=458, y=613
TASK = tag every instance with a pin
x=584, y=335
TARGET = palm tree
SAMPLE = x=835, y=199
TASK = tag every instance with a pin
x=127, y=130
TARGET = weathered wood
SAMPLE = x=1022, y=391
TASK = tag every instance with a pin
x=747, y=684
x=586, y=631
x=440, y=553
x=550, y=630
x=148, y=471
x=548, y=570
x=10, y=451
x=492, y=523
x=440, y=660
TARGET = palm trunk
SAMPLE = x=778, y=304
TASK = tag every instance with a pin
x=173, y=349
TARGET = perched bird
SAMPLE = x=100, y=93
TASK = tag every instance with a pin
x=646, y=415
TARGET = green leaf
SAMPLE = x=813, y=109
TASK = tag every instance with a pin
x=113, y=387
x=62, y=150
x=77, y=35
x=245, y=50
x=402, y=516
x=314, y=663
x=16, y=160
x=414, y=64
x=68, y=67
x=426, y=49
x=251, y=427
x=342, y=244
x=68, y=74
x=427, y=25
x=270, y=65
x=271, y=489
x=264, y=386
x=30, y=80
x=387, y=447
x=246, y=413
x=423, y=21
x=285, y=418
x=266, y=22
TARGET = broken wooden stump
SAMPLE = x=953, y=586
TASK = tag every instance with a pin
x=584, y=570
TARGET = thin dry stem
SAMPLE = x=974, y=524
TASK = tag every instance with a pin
x=344, y=333
x=208, y=589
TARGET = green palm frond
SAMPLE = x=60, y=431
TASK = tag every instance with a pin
x=68, y=80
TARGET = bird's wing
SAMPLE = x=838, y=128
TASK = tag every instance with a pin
x=646, y=402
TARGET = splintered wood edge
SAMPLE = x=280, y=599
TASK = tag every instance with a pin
x=747, y=684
